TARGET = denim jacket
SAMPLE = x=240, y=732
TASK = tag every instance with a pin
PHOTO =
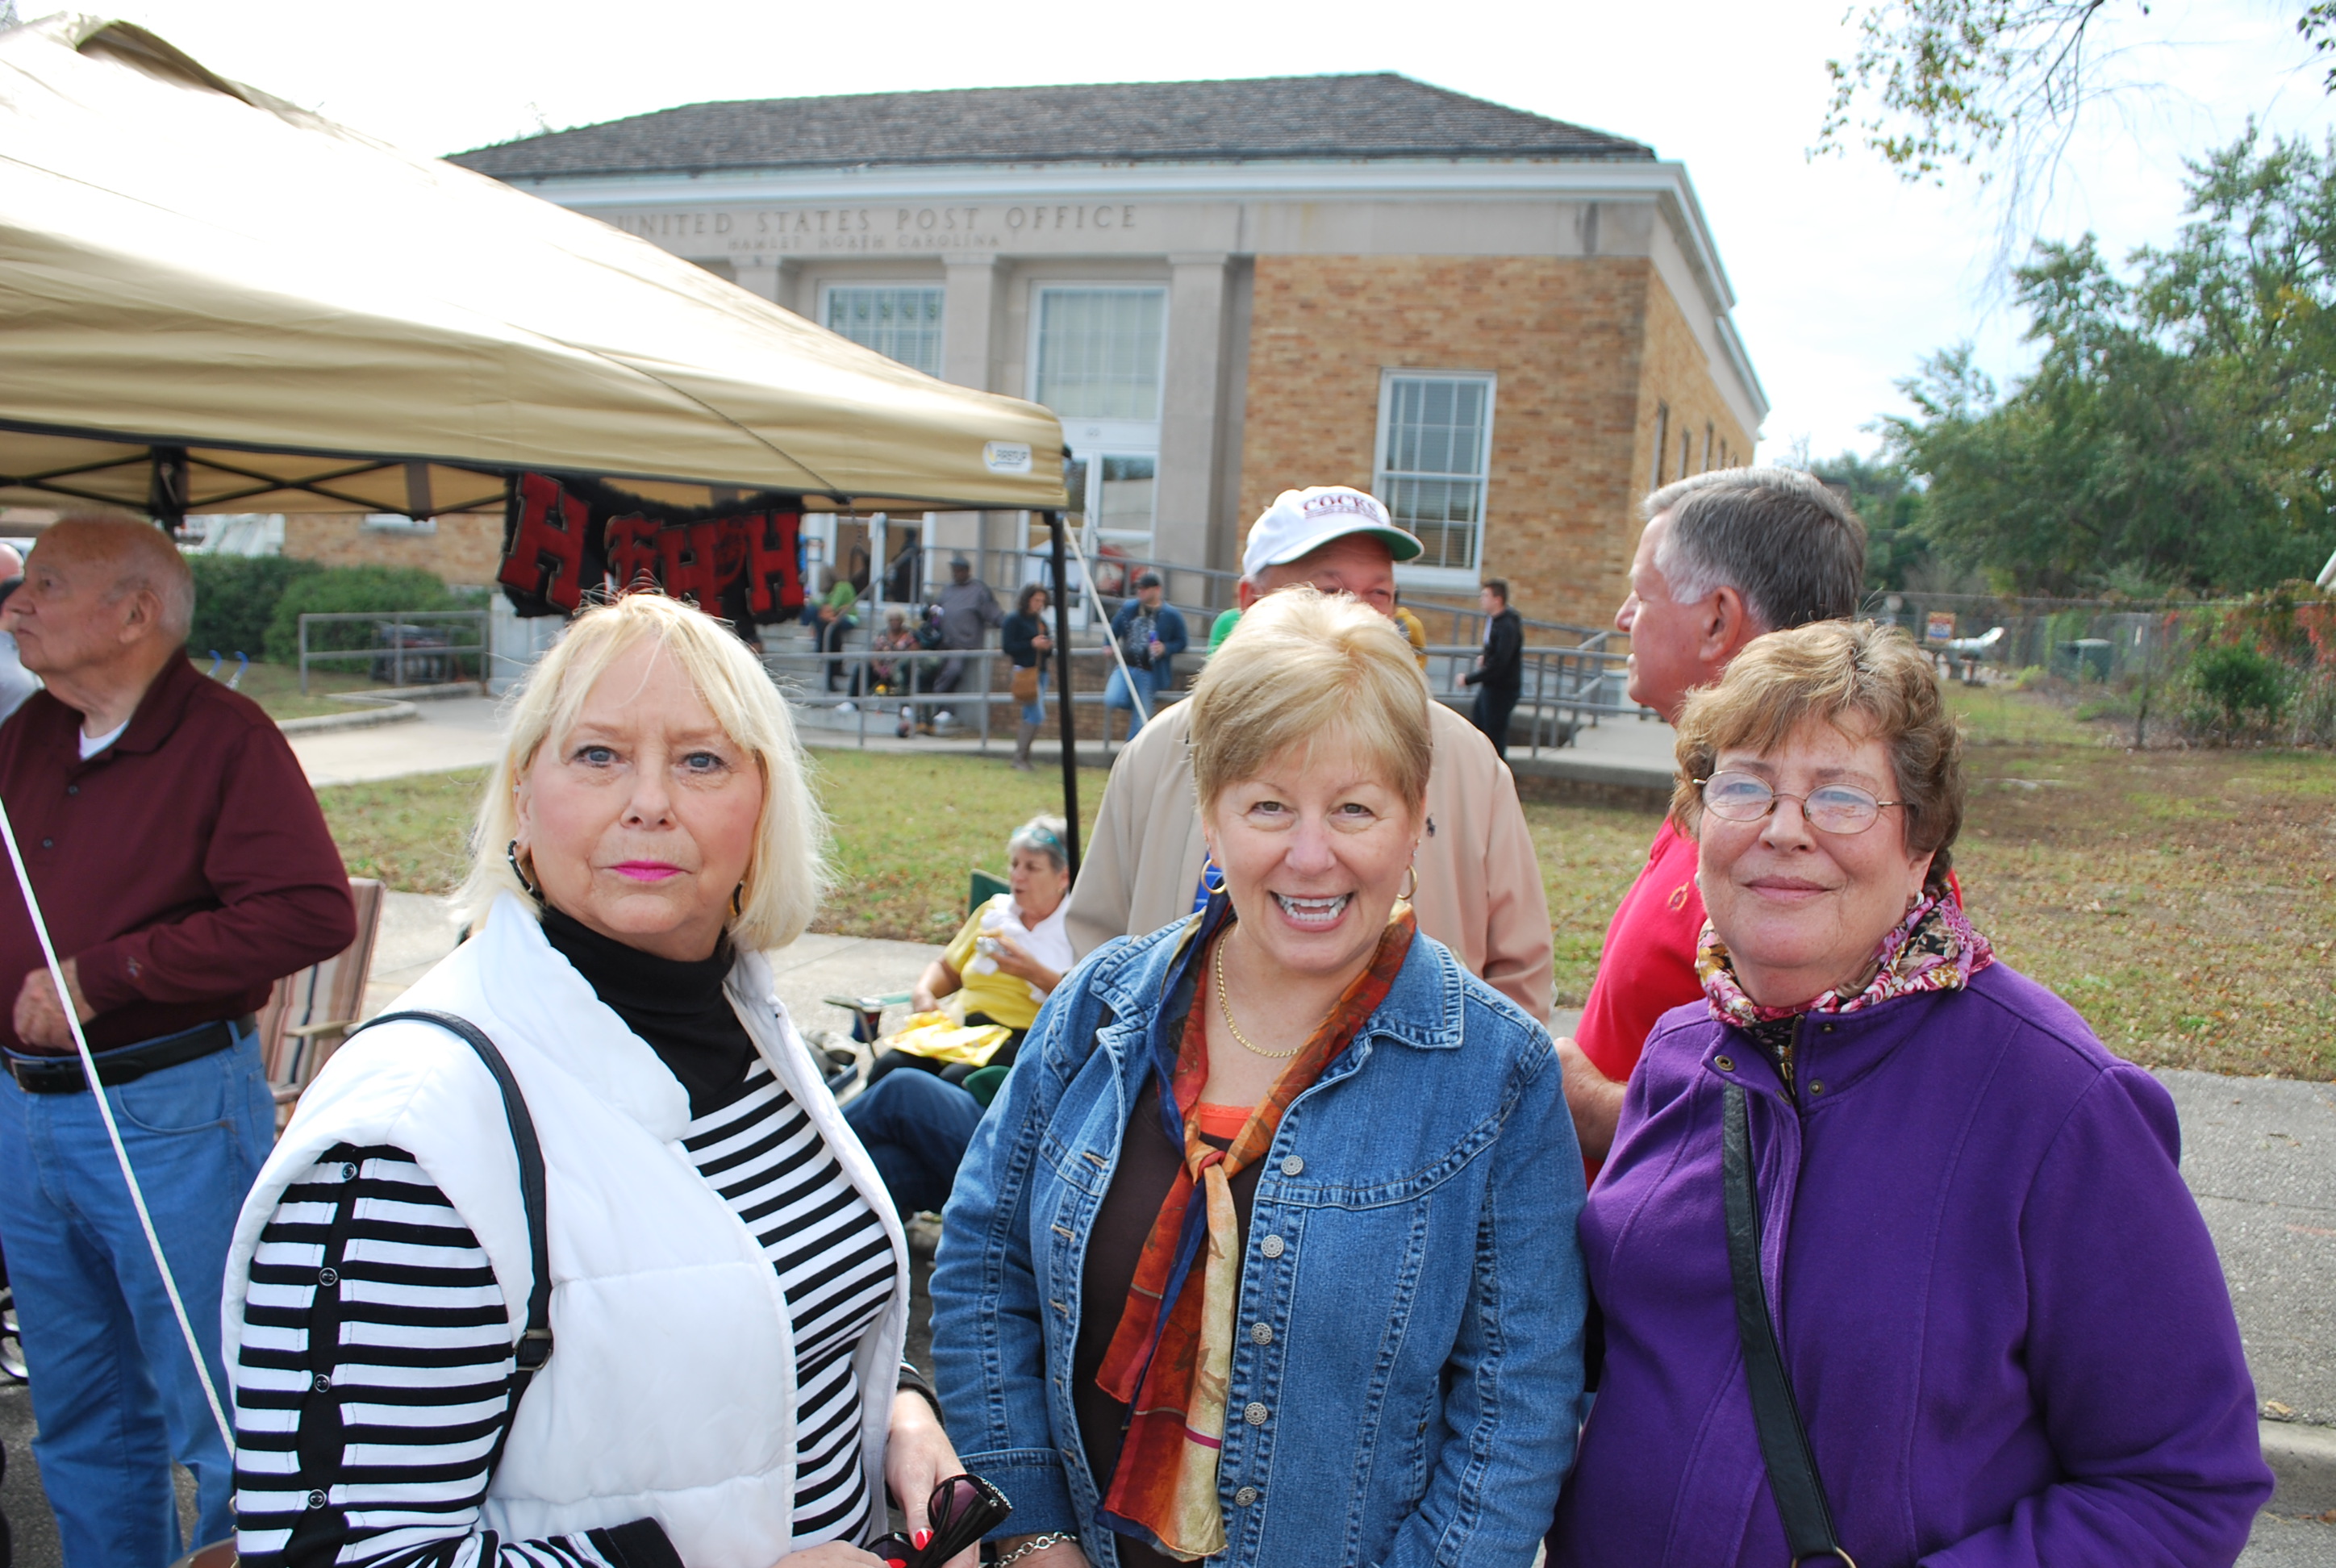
x=1406, y=1381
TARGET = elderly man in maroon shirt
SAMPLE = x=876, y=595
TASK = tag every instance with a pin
x=183, y=865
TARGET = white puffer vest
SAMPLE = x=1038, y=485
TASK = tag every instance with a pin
x=670, y=1390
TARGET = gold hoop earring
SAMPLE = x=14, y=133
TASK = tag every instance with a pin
x=1412, y=891
x=510, y=853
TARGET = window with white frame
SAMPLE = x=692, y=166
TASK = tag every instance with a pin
x=1101, y=351
x=1435, y=456
x=902, y=324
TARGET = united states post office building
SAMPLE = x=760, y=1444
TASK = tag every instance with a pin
x=1506, y=326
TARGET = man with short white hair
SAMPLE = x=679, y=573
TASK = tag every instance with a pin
x=1479, y=882
x=1726, y=556
x=183, y=866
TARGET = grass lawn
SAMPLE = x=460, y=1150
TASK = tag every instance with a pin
x=407, y=831
x=2184, y=902
x=909, y=830
x=276, y=688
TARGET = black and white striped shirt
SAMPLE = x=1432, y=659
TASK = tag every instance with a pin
x=374, y=1448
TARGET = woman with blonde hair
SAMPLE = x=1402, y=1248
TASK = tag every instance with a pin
x=724, y=1285
x=1266, y=1254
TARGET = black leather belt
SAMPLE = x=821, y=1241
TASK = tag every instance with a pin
x=63, y=1075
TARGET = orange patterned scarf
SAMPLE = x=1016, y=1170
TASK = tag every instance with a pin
x=1171, y=1372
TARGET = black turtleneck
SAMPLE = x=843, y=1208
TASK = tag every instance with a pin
x=675, y=1005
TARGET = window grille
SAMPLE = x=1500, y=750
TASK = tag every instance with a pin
x=902, y=324
x=1434, y=452
x=1100, y=351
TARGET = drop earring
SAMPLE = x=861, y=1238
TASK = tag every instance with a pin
x=510, y=853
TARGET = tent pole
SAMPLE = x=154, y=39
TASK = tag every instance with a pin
x=1063, y=696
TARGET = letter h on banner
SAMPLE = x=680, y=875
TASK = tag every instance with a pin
x=547, y=550
x=691, y=568
x=631, y=547
x=774, y=558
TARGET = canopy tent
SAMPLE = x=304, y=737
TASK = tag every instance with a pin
x=217, y=301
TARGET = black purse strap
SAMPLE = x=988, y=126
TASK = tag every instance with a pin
x=1784, y=1441
x=534, y=1348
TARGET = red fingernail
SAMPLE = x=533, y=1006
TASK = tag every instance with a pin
x=896, y=1562
x=921, y=1539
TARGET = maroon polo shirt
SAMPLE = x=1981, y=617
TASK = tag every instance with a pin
x=186, y=867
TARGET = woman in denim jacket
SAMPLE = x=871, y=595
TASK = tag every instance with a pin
x=1266, y=1253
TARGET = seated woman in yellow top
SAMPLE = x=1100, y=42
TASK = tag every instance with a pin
x=1008, y=956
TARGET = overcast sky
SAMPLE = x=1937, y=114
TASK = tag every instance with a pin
x=1844, y=278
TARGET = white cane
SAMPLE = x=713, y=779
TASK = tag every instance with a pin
x=1142, y=714
x=105, y=1111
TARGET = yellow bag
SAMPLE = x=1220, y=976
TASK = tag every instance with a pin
x=938, y=1038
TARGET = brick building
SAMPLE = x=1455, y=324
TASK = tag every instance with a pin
x=1507, y=326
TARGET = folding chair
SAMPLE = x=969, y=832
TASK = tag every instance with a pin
x=310, y=1013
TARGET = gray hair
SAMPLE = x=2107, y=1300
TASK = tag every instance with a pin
x=1042, y=834
x=1779, y=537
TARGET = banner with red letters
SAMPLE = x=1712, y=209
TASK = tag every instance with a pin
x=567, y=541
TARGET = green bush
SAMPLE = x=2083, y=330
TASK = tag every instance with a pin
x=236, y=596
x=2240, y=684
x=382, y=591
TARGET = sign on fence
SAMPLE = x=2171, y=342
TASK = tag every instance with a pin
x=1938, y=626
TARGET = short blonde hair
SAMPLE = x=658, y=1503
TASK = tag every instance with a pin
x=1856, y=675
x=1301, y=664
x=787, y=874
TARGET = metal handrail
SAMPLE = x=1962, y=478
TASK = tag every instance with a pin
x=397, y=621
x=1563, y=689
x=983, y=691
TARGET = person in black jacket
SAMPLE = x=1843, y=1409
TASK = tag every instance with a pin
x=1501, y=668
x=1023, y=637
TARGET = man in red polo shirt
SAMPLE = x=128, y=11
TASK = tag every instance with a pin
x=1724, y=557
x=183, y=865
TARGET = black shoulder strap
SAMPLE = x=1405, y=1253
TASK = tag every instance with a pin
x=535, y=1342
x=1784, y=1441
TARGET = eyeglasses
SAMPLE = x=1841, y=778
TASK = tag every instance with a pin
x=962, y=1511
x=1834, y=808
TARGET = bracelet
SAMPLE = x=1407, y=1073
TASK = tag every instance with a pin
x=1037, y=1543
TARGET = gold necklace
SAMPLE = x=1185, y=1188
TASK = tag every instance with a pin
x=1225, y=1006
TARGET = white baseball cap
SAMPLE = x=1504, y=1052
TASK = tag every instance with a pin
x=1302, y=521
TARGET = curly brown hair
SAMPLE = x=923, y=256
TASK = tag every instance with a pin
x=1863, y=679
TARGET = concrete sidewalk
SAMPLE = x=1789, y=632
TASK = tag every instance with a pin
x=448, y=734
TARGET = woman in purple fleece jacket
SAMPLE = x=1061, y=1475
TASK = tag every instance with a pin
x=1999, y=1312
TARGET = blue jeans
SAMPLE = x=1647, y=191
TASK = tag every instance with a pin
x=1115, y=694
x=114, y=1391
x=1035, y=711
x=915, y=1127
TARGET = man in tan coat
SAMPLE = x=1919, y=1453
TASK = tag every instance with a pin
x=1480, y=888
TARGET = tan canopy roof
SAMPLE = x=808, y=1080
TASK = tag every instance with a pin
x=319, y=321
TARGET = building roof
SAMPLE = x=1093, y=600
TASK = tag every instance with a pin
x=1329, y=117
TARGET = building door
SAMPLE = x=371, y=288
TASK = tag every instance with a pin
x=1099, y=357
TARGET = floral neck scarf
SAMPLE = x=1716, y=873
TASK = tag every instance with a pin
x=1933, y=949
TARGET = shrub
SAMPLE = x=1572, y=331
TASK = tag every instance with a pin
x=2242, y=688
x=382, y=591
x=236, y=598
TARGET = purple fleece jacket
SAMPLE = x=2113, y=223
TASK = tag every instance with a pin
x=2002, y=1313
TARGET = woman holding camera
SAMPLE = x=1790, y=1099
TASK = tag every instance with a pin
x=728, y=1281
